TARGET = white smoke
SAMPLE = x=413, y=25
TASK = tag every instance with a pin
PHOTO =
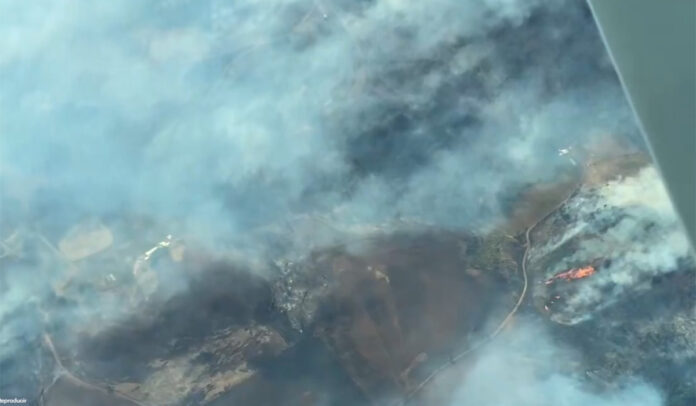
x=631, y=225
x=216, y=119
x=525, y=367
x=219, y=117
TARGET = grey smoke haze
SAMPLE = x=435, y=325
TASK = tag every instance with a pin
x=629, y=221
x=216, y=118
x=525, y=367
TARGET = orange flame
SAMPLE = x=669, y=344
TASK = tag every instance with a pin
x=575, y=273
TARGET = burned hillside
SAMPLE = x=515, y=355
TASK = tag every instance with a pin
x=330, y=202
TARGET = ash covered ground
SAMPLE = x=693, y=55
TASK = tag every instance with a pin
x=330, y=203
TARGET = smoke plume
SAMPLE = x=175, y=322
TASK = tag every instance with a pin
x=629, y=223
x=526, y=367
x=222, y=122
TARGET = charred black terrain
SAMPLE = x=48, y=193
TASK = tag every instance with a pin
x=373, y=323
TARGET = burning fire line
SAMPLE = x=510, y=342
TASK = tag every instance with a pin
x=572, y=274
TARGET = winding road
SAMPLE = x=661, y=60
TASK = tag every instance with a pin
x=63, y=372
x=445, y=366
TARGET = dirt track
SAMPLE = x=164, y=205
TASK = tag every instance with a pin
x=507, y=318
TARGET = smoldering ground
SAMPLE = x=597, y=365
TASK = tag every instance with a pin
x=629, y=223
x=217, y=119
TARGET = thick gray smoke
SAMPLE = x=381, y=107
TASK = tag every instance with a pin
x=220, y=117
x=216, y=119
